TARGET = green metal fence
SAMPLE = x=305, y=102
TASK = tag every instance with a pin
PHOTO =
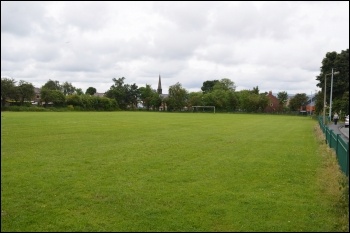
x=340, y=146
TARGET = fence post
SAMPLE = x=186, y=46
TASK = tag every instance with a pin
x=336, y=147
x=330, y=138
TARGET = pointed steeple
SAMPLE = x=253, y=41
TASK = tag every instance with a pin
x=159, y=90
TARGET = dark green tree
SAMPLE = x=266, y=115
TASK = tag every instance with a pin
x=195, y=99
x=68, y=88
x=8, y=89
x=126, y=95
x=282, y=98
x=117, y=92
x=26, y=91
x=146, y=96
x=74, y=100
x=156, y=100
x=255, y=90
x=90, y=91
x=208, y=85
x=340, y=94
x=131, y=95
x=79, y=91
x=225, y=84
x=177, y=98
x=52, y=85
x=298, y=102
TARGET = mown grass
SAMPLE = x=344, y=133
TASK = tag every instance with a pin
x=151, y=171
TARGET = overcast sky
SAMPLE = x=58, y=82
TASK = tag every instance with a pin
x=277, y=46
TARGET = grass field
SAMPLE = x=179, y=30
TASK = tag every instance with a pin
x=151, y=171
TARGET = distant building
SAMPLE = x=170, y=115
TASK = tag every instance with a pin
x=99, y=94
x=37, y=95
x=163, y=106
x=273, y=105
x=310, y=104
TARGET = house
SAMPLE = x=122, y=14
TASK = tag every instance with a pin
x=36, y=99
x=310, y=104
x=99, y=94
x=273, y=105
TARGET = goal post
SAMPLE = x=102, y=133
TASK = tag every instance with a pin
x=202, y=107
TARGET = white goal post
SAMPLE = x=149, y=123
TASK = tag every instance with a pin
x=198, y=107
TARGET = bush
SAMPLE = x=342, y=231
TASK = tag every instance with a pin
x=70, y=107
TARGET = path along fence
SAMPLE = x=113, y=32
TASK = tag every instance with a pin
x=341, y=147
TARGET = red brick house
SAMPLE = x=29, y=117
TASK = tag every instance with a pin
x=273, y=105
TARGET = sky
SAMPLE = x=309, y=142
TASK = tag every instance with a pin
x=275, y=46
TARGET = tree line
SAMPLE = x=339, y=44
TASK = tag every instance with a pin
x=219, y=93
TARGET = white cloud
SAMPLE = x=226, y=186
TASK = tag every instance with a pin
x=276, y=46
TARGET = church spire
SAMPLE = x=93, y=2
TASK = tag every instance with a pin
x=159, y=90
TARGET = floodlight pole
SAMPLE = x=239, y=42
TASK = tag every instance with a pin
x=324, y=97
x=330, y=98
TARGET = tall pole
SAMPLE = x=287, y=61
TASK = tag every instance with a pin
x=330, y=98
x=324, y=100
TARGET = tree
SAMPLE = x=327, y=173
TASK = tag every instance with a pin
x=340, y=63
x=255, y=90
x=250, y=101
x=132, y=95
x=147, y=96
x=156, y=100
x=52, y=85
x=126, y=95
x=58, y=98
x=319, y=103
x=298, y=102
x=8, y=89
x=208, y=85
x=54, y=96
x=225, y=84
x=282, y=98
x=117, y=92
x=26, y=91
x=74, y=100
x=177, y=98
x=68, y=88
x=195, y=99
x=79, y=91
x=90, y=91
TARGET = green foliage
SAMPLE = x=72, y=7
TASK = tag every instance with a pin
x=8, y=90
x=68, y=88
x=195, y=99
x=26, y=91
x=208, y=85
x=224, y=84
x=126, y=95
x=52, y=85
x=298, y=101
x=90, y=91
x=79, y=91
x=177, y=98
x=58, y=98
x=282, y=98
x=70, y=107
x=340, y=63
x=52, y=96
x=74, y=100
x=249, y=101
x=149, y=98
x=145, y=95
x=20, y=108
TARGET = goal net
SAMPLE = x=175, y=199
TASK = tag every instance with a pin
x=202, y=108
